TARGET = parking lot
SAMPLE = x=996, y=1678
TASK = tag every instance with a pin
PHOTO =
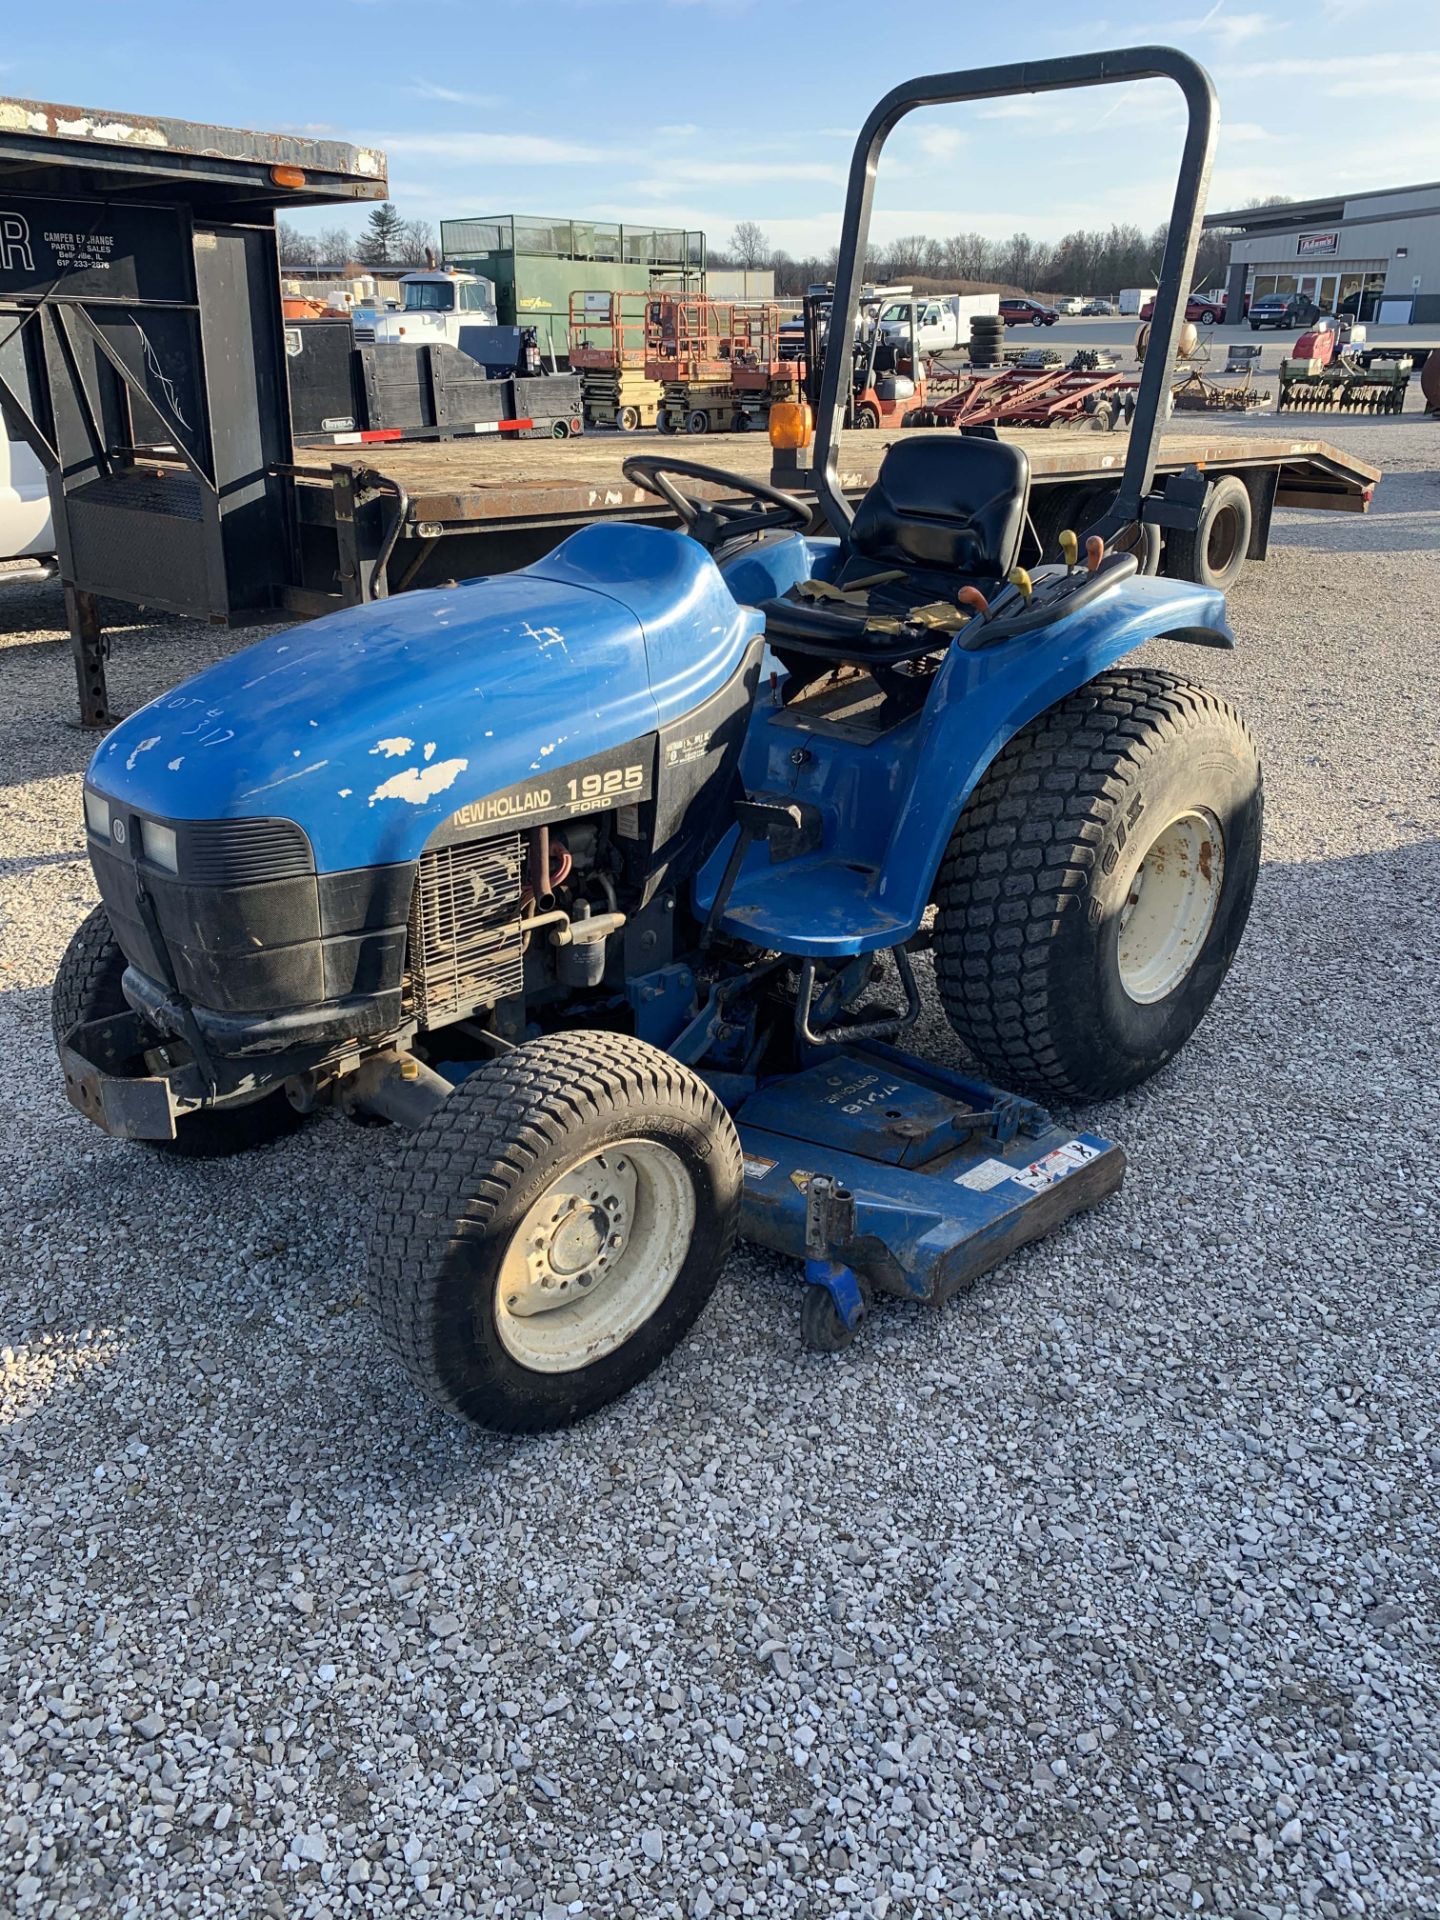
x=1112, y=1589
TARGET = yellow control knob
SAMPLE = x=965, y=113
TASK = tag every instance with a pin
x=1018, y=577
x=1070, y=546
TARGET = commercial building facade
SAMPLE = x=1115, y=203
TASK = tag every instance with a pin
x=1374, y=256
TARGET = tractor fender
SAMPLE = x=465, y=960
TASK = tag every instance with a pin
x=984, y=697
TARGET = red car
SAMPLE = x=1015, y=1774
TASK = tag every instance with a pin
x=1205, y=313
x=1027, y=313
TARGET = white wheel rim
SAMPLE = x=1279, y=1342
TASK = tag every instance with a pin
x=1171, y=905
x=594, y=1257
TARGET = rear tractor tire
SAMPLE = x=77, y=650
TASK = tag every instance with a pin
x=1097, y=885
x=554, y=1230
x=87, y=987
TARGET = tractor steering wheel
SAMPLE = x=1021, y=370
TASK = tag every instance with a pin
x=715, y=523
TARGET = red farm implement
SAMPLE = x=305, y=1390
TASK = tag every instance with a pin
x=1021, y=397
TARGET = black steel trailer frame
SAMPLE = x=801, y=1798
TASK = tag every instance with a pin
x=139, y=271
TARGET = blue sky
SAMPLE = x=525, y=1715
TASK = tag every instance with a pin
x=704, y=112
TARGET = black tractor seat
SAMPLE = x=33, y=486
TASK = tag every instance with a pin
x=944, y=513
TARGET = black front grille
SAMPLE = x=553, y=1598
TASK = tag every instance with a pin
x=220, y=853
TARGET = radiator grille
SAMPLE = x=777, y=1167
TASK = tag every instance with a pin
x=465, y=942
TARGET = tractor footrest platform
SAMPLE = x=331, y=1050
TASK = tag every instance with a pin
x=947, y=1175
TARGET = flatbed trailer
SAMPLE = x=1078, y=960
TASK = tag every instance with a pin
x=411, y=515
x=140, y=300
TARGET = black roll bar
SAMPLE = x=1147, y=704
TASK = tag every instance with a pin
x=989, y=83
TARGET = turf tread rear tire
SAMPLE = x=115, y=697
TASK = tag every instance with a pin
x=494, y=1132
x=1022, y=856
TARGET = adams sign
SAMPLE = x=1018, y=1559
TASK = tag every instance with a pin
x=1312, y=243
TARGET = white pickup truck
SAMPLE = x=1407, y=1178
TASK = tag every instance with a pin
x=942, y=320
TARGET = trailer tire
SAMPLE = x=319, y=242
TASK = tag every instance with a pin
x=1214, y=554
x=1139, y=787
x=87, y=987
x=492, y=1165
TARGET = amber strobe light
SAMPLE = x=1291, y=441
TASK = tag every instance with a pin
x=791, y=424
x=288, y=176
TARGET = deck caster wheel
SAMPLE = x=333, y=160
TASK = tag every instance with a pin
x=821, y=1327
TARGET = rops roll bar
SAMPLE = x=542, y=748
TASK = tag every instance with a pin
x=989, y=83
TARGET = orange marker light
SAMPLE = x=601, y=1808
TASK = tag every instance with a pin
x=791, y=424
x=288, y=176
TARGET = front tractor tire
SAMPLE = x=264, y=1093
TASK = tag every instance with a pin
x=1097, y=885
x=554, y=1230
x=87, y=987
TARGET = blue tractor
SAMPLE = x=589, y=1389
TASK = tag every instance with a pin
x=602, y=879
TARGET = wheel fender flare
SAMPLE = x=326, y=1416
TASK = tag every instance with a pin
x=983, y=698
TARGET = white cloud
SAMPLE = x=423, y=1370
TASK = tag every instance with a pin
x=495, y=149
x=1230, y=29
x=739, y=173
x=941, y=143
x=428, y=90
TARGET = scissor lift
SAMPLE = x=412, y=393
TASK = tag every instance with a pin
x=609, y=345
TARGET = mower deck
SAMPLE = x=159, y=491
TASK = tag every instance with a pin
x=928, y=1178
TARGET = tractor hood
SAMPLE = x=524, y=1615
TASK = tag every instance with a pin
x=371, y=726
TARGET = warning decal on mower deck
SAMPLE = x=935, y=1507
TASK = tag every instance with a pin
x=984, y=1175
x=1044, y=1173
x=756, y=1167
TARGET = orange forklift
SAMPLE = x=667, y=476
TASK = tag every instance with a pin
x=887, y=379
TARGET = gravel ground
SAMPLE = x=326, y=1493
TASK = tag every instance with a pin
x=1111, y=1590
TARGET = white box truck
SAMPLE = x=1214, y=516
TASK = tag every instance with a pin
x=1133, y=298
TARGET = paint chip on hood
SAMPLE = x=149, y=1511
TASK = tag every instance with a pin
x=419, y=784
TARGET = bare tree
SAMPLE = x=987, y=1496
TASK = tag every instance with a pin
x=413, y=240
x=333, y=247
x=750, y=245
x=297, y=248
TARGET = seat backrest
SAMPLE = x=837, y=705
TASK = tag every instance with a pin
x=945, y=502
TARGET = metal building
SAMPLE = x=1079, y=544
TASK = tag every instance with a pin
x=536, y=263
x=1374, y=256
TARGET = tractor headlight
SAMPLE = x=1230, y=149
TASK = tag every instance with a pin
x=158, y=845
x=97, y=814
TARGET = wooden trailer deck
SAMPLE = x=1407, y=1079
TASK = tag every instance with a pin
x=388, y=516
x=454, y=484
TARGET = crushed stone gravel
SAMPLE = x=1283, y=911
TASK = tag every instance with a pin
x=1110, y=1590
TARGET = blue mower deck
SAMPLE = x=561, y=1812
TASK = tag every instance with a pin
x=948, y=1175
